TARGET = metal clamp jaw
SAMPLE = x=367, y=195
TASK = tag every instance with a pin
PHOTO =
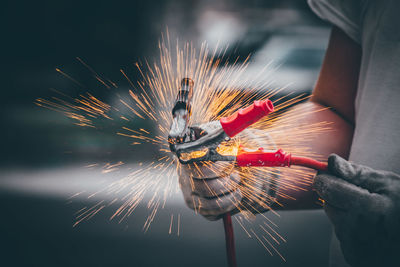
x=206, y=146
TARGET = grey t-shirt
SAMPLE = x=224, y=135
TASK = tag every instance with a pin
x=375, y=25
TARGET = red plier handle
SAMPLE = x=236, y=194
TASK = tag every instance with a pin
x=279, y=158
x=245, y=117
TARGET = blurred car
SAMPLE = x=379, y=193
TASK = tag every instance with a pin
x=296, y=55
x=290, y=59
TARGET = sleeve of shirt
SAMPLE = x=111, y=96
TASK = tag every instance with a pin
x=344, y=14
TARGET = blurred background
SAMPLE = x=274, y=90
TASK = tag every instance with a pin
x=44, y=153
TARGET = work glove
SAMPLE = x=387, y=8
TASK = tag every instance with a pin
x=363, y=205
x=213, y=189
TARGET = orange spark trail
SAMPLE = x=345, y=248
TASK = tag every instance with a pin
x=151, y=98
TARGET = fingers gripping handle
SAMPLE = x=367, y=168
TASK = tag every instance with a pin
x=243, y=118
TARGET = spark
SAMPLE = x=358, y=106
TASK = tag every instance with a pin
x=217, y=93
x=170, y=226
x=179, y=224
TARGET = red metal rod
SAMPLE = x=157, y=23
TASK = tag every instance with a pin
x=229, y=240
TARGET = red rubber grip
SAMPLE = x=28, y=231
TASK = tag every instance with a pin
x=262, y=158
x=243, y=118
x=309, y=163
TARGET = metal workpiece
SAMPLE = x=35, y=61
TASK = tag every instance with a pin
x=181, y=111
x=184, y=97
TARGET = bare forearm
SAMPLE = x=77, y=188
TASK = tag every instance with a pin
x=335, y=140
x=337, y=88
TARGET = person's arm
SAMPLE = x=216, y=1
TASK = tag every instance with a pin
x=336, y=88
x=213, y=193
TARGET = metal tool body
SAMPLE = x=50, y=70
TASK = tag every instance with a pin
x=193, y=144
x=220, y=132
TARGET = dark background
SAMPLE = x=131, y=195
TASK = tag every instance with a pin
x=43, y=153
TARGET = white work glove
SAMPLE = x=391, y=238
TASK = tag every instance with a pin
x=364, y=206
x=216, y=190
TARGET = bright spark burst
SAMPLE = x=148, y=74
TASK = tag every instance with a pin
x=151, y=99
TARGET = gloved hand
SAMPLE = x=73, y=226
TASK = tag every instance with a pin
x=364, y=206
x=217, y=188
